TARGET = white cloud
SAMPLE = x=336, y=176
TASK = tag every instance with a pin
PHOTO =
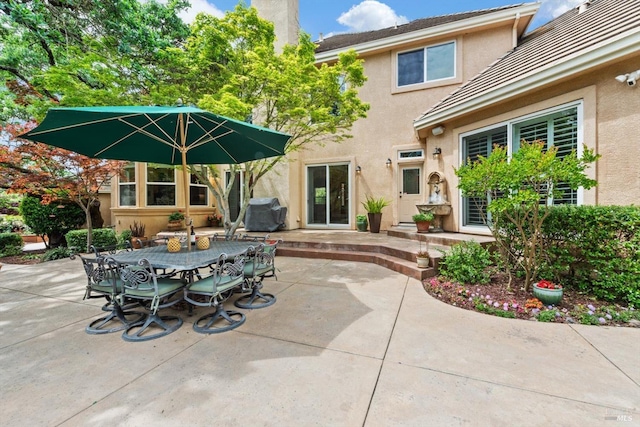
x=553, y=8
x=197, y=6
x=370, y=15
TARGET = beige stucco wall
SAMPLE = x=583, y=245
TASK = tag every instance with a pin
x=611, y=118
x=388, y=127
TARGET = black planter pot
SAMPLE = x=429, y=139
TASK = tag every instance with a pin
x=374, y=222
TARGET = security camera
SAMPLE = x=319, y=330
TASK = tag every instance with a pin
x=632, y=78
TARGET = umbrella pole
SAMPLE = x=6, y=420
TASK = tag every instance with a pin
x=185, y=178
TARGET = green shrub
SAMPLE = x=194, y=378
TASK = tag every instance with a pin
x=124, y=237
x=10, y=244
x=53, y=220
x=466, y=262
x=77, y=239
x=57, y=253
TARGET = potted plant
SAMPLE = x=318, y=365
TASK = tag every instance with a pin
x=214, y=220
x=374, y=207
x=547, y=292
x=422, y=256
x=423, y=221
x=361, y=222
x=176, y=221
x=137, y=233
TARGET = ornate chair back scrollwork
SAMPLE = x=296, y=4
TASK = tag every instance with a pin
x=141, y=283
x=227, y=274
x=260, y=264
x=103, y=282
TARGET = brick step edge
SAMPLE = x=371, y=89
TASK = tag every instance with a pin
x=408, y=268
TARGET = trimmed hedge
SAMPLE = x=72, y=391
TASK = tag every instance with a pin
x=595, y=249
x=77, y=239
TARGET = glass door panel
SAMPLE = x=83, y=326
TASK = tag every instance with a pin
x=328, y=197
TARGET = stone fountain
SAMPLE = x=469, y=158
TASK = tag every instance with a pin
x=437, y=201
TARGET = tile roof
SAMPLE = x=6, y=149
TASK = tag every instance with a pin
x=571, y=34
x=345, y=40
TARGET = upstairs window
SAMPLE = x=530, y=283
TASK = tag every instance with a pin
x=427, y=64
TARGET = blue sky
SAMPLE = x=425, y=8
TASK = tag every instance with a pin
x=340, y=16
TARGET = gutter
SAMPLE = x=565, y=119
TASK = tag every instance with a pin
x=388, y=43
x=622, y=45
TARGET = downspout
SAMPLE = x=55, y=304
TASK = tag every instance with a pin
x=514, y=42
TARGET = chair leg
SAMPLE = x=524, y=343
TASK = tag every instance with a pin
x=115, y=321
x=254, y=299
x=166, y=324
x=230, y=320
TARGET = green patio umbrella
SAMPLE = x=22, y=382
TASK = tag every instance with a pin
x=165, y=135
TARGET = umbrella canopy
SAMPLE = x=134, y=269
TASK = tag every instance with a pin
x=165, y=135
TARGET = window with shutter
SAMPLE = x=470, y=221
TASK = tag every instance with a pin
x=559, y=128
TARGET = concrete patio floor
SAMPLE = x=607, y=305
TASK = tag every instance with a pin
x=346, y=344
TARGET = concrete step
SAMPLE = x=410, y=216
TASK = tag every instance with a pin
x=392, y=262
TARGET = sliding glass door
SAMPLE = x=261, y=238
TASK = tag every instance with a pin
x=328, y=195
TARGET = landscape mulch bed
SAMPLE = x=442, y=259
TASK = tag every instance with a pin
x=494, y=299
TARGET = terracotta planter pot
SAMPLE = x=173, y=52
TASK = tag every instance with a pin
x=176, y=225
x=135, y=242
x=423, y=226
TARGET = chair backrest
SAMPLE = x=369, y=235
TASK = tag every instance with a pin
x=260, y=260
x=228, y=272
x=249, y=238
x=111, y=249
x=98, y=272
x=137, y=277
x=154, y=241
x=226, y=237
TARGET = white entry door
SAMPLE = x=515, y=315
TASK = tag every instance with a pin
x=411, y=191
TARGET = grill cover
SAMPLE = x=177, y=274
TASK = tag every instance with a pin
x=264, y=214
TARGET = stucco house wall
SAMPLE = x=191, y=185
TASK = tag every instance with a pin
x=388, y=127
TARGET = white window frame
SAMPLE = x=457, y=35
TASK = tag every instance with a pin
x=134, y=183
x=146, y=188
x=410, y=159
x=426, y=81
x=206, y=191
x=510, y=124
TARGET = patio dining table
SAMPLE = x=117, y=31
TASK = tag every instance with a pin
x=187, y=260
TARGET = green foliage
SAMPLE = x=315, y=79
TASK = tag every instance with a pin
x=466, y=262
x=420, y=217
x=518, y=188
x=176, y=216
x=485, y=308
x=595, y=249
x=9, y=203
x=10, y=244
x=77, y=239
x=375, y=205
x=56, y=253
x=125, y=236
x=547, y=316
x=361, y=218
x=52, y=219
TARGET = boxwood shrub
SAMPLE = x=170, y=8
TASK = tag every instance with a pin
x=77, y=239
x=10, y=244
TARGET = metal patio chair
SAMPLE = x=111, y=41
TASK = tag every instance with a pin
x=140, y=283
x=260, y=264
x=103, y=282
x=213, y=291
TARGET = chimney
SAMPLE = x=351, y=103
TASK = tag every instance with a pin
x=321, y=39
x=584, y=6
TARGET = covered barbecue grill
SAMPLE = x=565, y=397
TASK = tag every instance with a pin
x=264, y=214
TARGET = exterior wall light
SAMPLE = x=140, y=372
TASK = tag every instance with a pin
x=388, y=163
x=358, y=169
x=436, y=153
